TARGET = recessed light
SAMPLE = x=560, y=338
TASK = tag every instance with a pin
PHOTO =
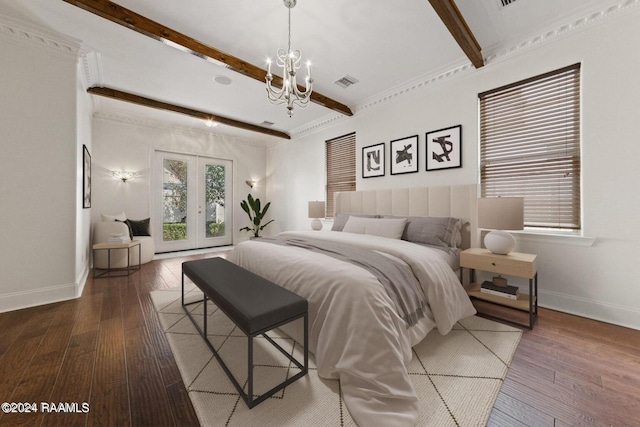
x=222, y=80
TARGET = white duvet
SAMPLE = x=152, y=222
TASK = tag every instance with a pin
x=355, y=331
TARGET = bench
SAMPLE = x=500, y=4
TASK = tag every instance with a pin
x=254, y=304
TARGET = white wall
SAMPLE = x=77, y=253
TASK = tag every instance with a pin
x=590, y=280
x=38, y=172
x=83, y=216
x=119, y=145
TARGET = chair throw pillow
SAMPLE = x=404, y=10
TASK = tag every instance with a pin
x=139, y=227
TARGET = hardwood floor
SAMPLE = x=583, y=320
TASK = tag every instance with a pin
x=107, y=349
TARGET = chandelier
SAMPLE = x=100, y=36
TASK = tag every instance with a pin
x=289, y=60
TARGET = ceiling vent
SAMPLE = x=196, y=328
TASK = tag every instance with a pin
x=505, y=3
x=266, y=123
x=346, y=81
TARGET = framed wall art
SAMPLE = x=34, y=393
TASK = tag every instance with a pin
x=404, y=155
x=444, y=148
x=86, y=177
x=373, y=160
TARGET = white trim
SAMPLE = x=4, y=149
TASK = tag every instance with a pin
x=492, y=55
x=181, y=254
x=185, y=130
x=35, y=297
x=553, y=238
x=22, y=32
x=616, y=314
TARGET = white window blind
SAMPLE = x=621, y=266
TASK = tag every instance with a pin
x=341, y=167
x=530, y=146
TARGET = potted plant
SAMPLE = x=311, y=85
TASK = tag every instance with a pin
x=252, y=207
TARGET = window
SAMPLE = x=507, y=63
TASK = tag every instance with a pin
x=530, y=146
x=341, y=167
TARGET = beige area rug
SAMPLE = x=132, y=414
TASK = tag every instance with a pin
x=457, y=377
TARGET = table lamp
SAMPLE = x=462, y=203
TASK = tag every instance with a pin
x=499, y=214
x=316, y=211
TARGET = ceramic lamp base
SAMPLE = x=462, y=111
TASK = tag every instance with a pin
x=499, y=242
x=316, y=224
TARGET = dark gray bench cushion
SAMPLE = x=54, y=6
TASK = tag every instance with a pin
x=252, y=302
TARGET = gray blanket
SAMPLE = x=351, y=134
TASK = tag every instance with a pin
x=396, y=277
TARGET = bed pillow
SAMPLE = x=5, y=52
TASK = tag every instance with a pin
x=117, y=217
x=391, y=227
x=432, y=230
x=341, y=219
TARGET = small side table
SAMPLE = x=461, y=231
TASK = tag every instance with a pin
x=514, y=264
x=111, y=246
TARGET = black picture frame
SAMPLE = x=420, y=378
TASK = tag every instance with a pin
x=86, y=177
x=403, y=156
x=443, y=148
x=373, y=160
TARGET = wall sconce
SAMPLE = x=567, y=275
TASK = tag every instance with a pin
x=251, y=183
x=123, y=176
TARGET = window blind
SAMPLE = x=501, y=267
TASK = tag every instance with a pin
x=530, y=146
x=341, y=168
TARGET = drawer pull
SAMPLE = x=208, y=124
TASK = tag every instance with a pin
x=493, y=263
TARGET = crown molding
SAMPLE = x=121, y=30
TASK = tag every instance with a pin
x=175, y=128
x=22, y=32
x=385, y=97
x=577, y=22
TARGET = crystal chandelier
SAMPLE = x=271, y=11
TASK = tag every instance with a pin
x=289, y=60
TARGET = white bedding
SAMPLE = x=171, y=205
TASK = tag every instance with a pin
x=355, y=331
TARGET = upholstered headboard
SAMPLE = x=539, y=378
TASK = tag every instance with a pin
x=458, y=201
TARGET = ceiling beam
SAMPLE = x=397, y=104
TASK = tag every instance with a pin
x=152, y=103
x=133, y=21
x=453, y=20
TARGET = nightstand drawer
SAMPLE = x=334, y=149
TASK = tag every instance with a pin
x=514, y=264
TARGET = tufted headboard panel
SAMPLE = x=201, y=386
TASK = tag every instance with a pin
x=458, y=201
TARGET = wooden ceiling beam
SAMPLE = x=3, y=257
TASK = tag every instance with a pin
x=133, y=21
x=457, y=26
x=152, y=103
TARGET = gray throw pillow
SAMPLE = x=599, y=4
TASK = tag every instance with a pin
x=432, y=230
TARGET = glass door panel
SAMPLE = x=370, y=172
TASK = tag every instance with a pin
x=174, y=200
x=192, y=202
x=215, y=177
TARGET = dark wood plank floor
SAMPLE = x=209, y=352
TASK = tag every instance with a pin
x=107, y=349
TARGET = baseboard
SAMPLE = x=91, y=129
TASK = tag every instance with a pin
x=620, y=315
x=31, y=298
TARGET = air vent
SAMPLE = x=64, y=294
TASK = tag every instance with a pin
x=346, y=81
x=505, y=3
x=266, y=123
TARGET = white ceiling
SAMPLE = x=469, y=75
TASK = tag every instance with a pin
x=383, y=44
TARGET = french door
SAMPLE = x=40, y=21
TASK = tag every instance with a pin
x=192, y=201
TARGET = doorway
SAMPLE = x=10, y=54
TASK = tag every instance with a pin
x=193, y=199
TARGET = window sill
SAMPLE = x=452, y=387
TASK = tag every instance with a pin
x=554, y=237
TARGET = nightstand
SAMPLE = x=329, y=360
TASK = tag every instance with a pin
x=514, y=264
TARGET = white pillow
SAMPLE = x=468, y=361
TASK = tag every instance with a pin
x=117, y=217
x=391, y=228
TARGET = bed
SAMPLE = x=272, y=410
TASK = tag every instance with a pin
x=362, y=323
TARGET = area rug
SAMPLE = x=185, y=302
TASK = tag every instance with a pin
x=457, y=377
